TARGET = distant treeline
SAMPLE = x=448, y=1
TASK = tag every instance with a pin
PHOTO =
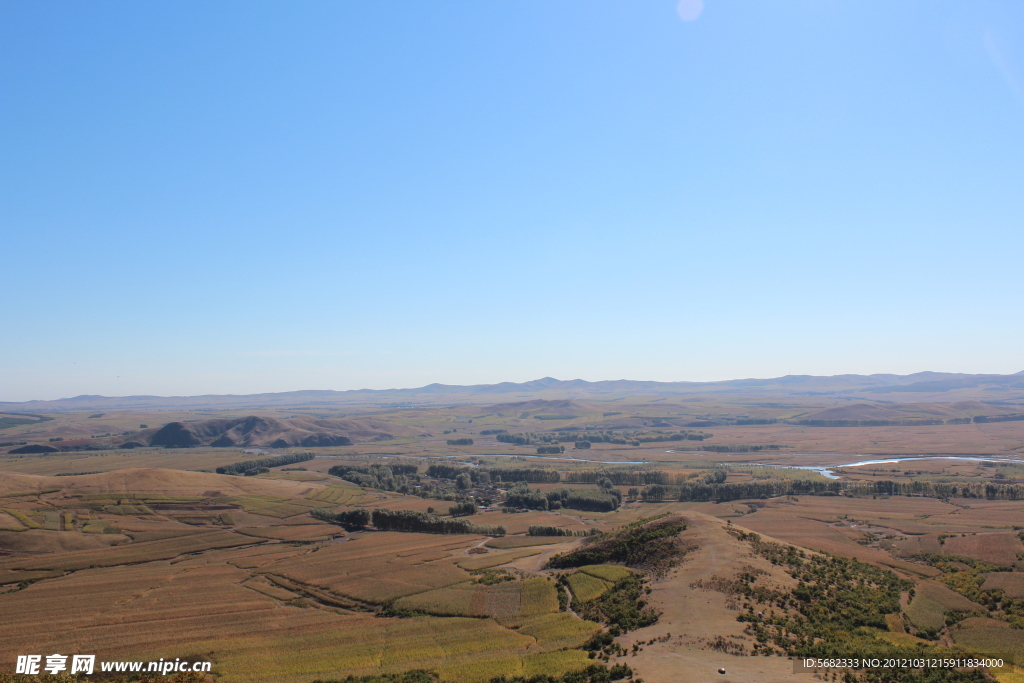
x=628, y=477
x=494, y=474
x=460, y=442
x=275, y=461
x=706, y=491
x=633, y=438
x=541, y=530
x=550, y=450
x=623, y=438
x=911, y=422
x=421, y=522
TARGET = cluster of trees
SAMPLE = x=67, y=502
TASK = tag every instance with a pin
x=542, y=530
x=582, y=445
x=484, y=475
x=622, y=608
x=492, y=432
x=460, y=442
x=525, y=497
x=421, y=522
x=392, y=477
x=648, y=543
x=350, y=519
x=463, y=509
x=516, y=439
x=605, y=499
x=275, y=461
x=833, y=613
x=550, y=450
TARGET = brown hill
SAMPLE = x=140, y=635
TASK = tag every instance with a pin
x=269, y=432
x=152, y=480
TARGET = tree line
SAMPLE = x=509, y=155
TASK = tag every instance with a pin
x=275, y=461
x=542, y=530
x=721, y=491
x=407, y=521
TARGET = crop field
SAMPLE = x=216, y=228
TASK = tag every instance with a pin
x=1011, y=583
x=337, y=495
x=559, y=630
x=274, y=506
x=586, y=587
x=997, y=548
x=299, y=532
x=992, y=638
x=931, y=602
x=496, y=559
x=379, y=567
x=505, y=542
x=505, y=600
x=606, y=572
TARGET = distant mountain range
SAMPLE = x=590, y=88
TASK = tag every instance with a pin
x=918, y=387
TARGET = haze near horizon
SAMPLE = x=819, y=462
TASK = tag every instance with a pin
x=246, y=198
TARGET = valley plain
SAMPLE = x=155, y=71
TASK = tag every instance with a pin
x=620, y=531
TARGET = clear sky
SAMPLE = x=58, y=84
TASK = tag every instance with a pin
x=237, y=197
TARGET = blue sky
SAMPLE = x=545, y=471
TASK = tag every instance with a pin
x=237, y=197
